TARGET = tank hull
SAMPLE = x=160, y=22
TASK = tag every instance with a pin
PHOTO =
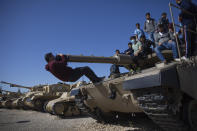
x=63, y=106
x=167, y=92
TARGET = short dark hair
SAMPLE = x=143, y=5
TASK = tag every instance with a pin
x=160, y=26
x=148, y=13
x=129, y=43
x=117, y=50
x=132, y=37
x=137, y=24
x=164, y=13
x=142, y=36
x=47, y=56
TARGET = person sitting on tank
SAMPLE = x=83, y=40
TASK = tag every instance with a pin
x=114, y=69
x=188, y=22
x=147, y=46
x=138, y=31
x=137, y=50
x=129, y=51
x=57, y=65
x=164, y=42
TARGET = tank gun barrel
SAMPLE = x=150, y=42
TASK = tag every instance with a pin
x=7, y=91
x=117, y=59
x=15, y=85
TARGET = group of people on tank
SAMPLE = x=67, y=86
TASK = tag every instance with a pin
x=161, y=36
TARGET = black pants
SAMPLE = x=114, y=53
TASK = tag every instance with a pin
x=80, y=71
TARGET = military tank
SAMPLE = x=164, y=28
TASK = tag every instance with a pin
x=18, y=103
x=9, y=97
x=95, y=98
x=39, y=99
x=64, y=105
x=165, y=93
x=39, y=95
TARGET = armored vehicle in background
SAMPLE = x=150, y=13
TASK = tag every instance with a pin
x=38, y=99
x=18, y=102
x=8, y=98
x=65, y=104
x=39, y=95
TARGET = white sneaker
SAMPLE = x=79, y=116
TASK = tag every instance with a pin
x=184, y=58
x=177, y=59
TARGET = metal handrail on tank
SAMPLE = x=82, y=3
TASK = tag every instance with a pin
x=176, y=25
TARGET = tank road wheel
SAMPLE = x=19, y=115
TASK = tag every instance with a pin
x=58, y=109
x=45, y=106
x=191, y=113
x=38, y=105
x=100, y=116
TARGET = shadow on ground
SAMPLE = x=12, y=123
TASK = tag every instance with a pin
x=22, y=121
x=143, y=123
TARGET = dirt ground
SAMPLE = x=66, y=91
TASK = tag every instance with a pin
x=20, y=120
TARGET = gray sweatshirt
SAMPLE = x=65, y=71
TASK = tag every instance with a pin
x=163, y=37
x=150, y=25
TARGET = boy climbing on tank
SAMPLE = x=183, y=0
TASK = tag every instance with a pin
x=58, y=67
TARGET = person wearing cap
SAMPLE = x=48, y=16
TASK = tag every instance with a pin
x=164, y=21
x=57, y=65
x=138, y=32
x=163, y=42
x=150, y=27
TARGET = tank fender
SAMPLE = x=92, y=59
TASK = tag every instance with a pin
x=163, y=77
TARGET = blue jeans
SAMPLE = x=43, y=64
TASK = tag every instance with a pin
x=164, y=46
x=151, y=36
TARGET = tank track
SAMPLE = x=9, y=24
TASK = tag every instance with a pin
x=156, y=106
x=83, y=108
x=80, y=104
x=95, y=114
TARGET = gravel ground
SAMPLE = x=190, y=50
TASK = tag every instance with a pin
x=19, y=120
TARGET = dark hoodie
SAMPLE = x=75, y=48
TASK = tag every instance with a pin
x=59, y=69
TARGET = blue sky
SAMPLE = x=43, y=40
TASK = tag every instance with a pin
x=31, y=28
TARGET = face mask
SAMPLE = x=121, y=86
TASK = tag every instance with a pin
x=133, y=41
